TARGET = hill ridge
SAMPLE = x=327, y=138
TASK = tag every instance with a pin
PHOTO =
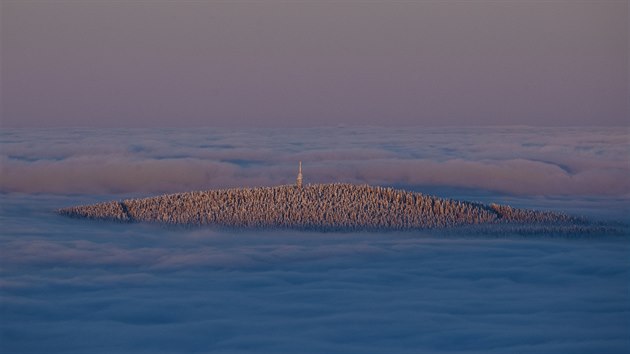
x=314, y=206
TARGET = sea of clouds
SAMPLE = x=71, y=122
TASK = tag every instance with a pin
x=69, y=285
x=517, y=160
x=72, y=285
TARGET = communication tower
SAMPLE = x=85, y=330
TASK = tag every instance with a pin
x=299, y=176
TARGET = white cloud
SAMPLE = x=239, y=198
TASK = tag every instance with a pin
x=524, y=161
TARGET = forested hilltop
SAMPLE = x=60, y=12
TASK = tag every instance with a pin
x=319, y=206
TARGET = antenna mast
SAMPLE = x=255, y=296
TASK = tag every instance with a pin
x=299, y=176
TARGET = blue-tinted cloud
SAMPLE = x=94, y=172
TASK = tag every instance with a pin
x=76, y=286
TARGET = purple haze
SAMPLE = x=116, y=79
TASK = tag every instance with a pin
x=195, y=63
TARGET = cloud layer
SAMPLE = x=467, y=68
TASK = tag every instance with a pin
x=75, y=286
x=70, y=285
x=519, y=160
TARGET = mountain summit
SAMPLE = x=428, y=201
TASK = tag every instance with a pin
x=319, y=206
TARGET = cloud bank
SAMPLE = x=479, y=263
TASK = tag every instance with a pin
x=519, y=160
x=69, y=285
x=73, y=286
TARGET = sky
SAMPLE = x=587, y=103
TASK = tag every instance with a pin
x=270, y=63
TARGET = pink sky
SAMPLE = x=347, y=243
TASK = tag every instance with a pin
x=284, y=63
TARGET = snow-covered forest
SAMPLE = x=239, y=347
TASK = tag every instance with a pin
x=320, y=206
